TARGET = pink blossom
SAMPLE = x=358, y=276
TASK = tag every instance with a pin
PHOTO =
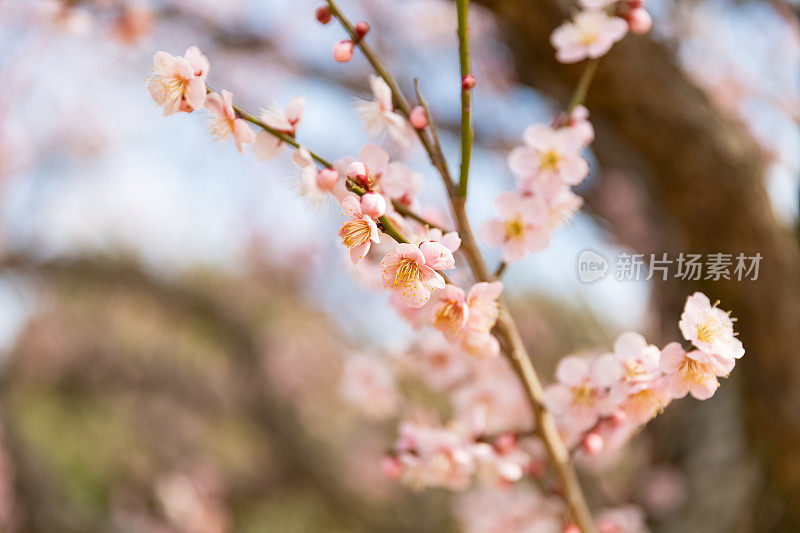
x=562, y=206
x=434, y=456
x=581, y=395
x=368, y=384
x=694, y=372
x=709, y=328
x=592, y=33
x=286, y=121
x=224, y=123
x=411, y=271
x=493, y=401
x=379, y=115
x=521, y=227
x=628, y=519
x=326, y=179
x=633, y=365
x=179, y=83
x=549, y=159
x=437, y=362
x=501, y=467
x=639, y=407
x=579, y=123
x=360, y=231
x=451, y=312
x=343, y=51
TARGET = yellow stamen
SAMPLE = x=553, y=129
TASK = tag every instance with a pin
x=514, y=228
x=549, y=160
x=355, y=232
x=407, y=273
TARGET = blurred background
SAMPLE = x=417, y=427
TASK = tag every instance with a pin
x=174, y=317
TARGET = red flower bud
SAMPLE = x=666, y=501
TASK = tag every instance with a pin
x=467, y=82
x=323, y=15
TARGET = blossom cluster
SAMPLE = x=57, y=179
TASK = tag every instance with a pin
x=546, y=166
x=603, y=398
x=594, y=30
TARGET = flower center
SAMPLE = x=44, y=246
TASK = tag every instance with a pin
x=634, y=370
x=173, y=88
x=407, y=273
x=583, y=394
x=355, y=232
x=711, y=328
x=588, y=37
x=449, y=314
x=549, y=160
x=693, y=371
x=514, y=228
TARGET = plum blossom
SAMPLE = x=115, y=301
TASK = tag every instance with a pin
x=411, y=271
x=225, y=123
x=549, y=159
x=360, y=231
x=634, y=364
x=521, y=227
x=379, y=115
x=179, y=83
x=373, y=171
x=639, y=407
x=437, y=362
x=581, y=395
x=435, y=456
x=579, y=123
x=368, y=384
x=592, y=33
x=476, y=337
x=693, y=372
x=492, y=402
x=562, y=206
x=451, y=312
x=709, y=328
x=627, y=519
x=286, y=121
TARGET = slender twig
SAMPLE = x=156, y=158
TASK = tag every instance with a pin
x=436, y=156
x=583, y=84
x=462, y=7
x=501, y=268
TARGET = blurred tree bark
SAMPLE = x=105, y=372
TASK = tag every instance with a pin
x=705, y=178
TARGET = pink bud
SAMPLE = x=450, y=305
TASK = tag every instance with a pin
x=592, y=443
x=570, y=528
x=323, y=14
x=634, y=4
x=467, y=82
x=343, y=51
x=356, y=171
x=639, y=21
x=418, y=117
x=327, y=178
x=505, y=442
x=373, y=204
x=391, y=467
x=619, y=418
x=362, y=28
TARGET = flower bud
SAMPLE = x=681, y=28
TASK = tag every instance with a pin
x=592, y=443
x=506, y=442
x=639, y=21
x=343, y=51
x=356, y=171
x=570, y=528
x=323, y=14
x=362, y=29
x=418, y=117
x=619, y=418
x=327, y=178
x=391, y=467
x=373, y=204
x=467, y=82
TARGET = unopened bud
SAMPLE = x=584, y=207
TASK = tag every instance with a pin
x=362, y=29
x=639, y=21
x=323, y=14
x=343, y=51
x=327, y=178
x=356, y=171
x=592, y=443
x=467, y=82
x=418, y=117
x=391, y=467
x=373, y=204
